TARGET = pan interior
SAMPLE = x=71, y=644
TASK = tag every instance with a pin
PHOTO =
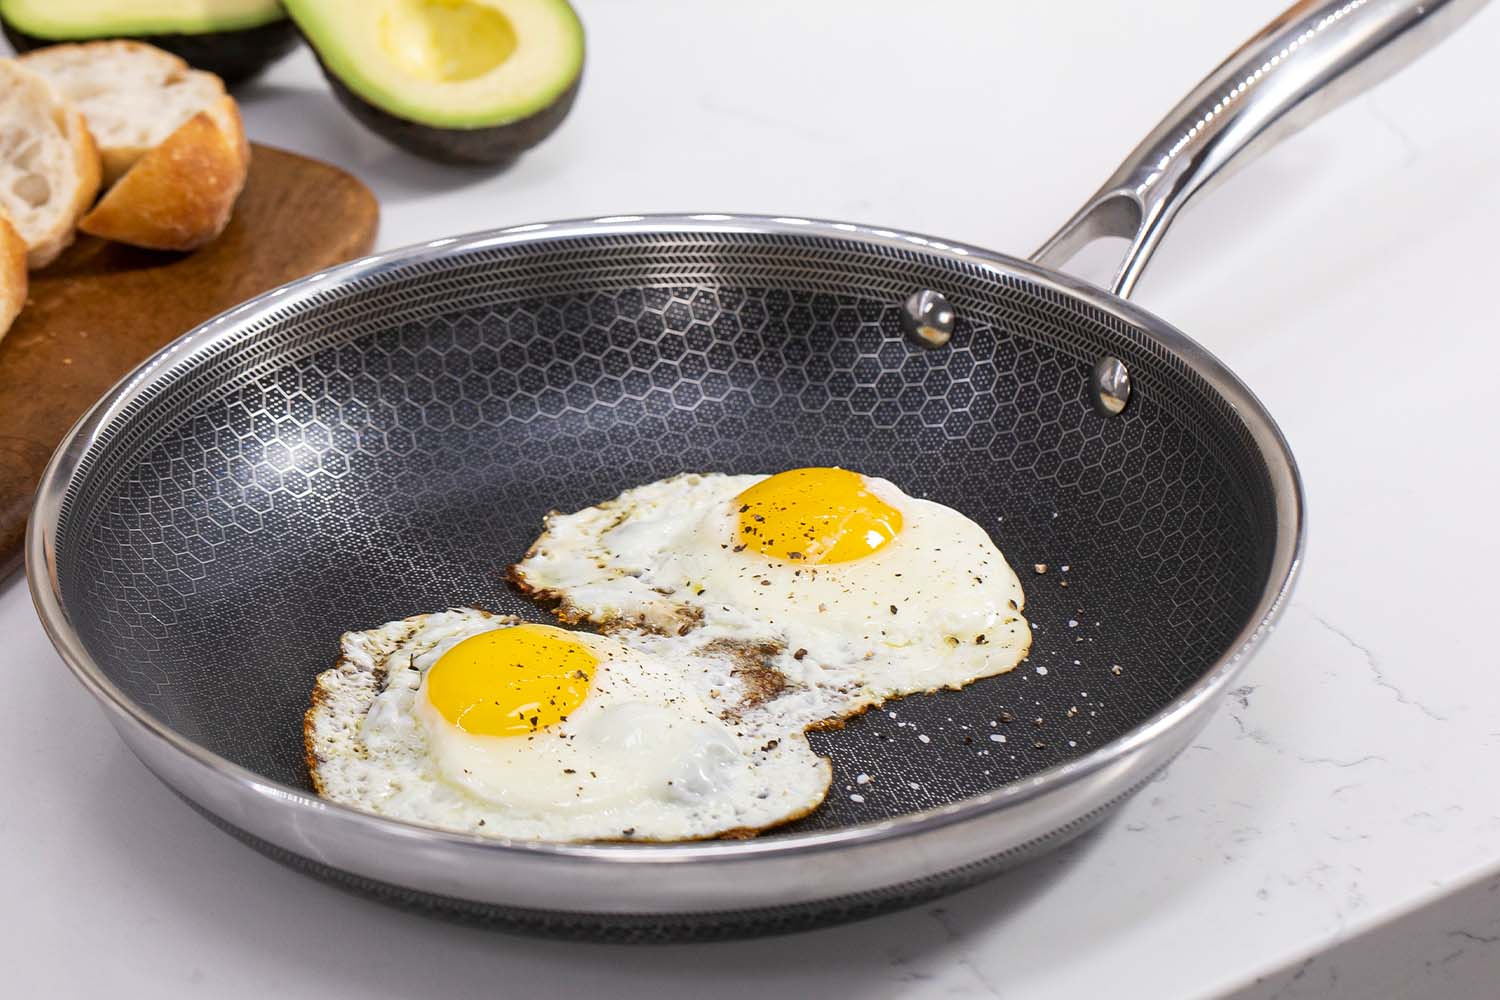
x=388, y=444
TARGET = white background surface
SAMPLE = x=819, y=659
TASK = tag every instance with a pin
x=1348, y=277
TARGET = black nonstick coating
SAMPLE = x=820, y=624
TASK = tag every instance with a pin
x=389, y=447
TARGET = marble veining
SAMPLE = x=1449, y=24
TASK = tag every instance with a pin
x=1331, y=833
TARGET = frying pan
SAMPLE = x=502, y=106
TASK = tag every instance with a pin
x=383, y=438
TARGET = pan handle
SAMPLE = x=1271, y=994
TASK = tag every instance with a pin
x=1312, y=58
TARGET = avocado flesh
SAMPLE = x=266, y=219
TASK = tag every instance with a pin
x=78, y=20
x=461, y=80
x=234, y=39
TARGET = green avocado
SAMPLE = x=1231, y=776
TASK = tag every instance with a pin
x=235, y=39
x=461, y=81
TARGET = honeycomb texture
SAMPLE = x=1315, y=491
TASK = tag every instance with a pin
x=389, y=446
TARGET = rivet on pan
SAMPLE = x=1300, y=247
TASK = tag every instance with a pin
x=928, y=318
x=1110, y=386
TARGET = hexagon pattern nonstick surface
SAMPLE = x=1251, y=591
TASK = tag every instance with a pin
x=364, y=455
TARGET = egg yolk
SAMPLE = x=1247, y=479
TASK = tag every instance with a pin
x=512, y=681
x=814, y=516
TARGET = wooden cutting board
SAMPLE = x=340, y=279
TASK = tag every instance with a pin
x=102, y=308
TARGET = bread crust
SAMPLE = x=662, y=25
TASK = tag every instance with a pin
x=71, y=168
x=179, y=195
x=115, y=160
x=86, y=175
x=13, y=276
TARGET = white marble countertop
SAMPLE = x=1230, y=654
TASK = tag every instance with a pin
x=1346, y=791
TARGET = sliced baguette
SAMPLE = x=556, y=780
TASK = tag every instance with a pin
x=133, y=95
x=179, y=195
x=49, y=167
x=12, y=274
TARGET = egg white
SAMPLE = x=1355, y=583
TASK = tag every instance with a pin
x=936, y=607
x=655, y=751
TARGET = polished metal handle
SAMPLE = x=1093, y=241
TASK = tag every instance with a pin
x=1312, y=58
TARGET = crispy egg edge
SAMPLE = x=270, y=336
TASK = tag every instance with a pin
x=345, y=671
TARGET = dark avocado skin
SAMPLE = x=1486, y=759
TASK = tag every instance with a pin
x=234, y=56
x=494, y=146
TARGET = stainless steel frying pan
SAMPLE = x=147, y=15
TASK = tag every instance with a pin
x=384, y=438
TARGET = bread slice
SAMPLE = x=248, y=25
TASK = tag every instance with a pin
x=12, y=275
x=133, y=95
x=49, y=167
x=179, y=195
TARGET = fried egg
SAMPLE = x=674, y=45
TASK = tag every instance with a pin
x=474, y=722
x=863, y=590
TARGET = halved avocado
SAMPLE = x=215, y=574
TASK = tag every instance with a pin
x=460, y=81
x=235, y=39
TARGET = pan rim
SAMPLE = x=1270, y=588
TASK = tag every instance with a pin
x=65, y=463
